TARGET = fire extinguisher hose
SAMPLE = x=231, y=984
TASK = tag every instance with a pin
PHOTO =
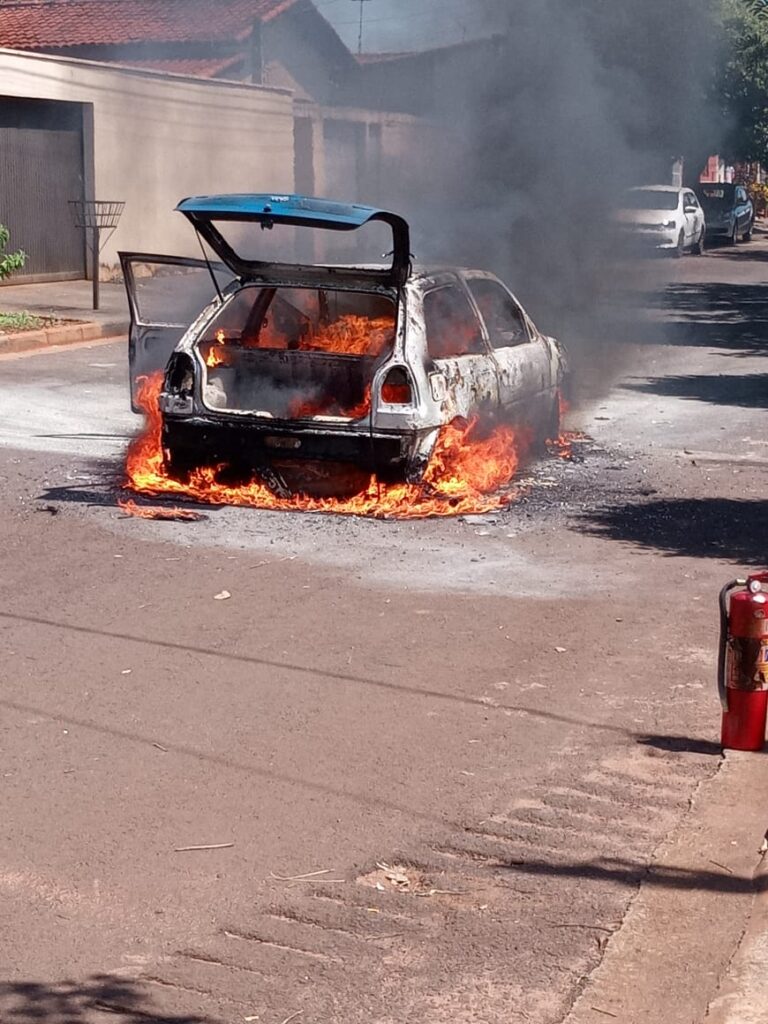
x=722, y=652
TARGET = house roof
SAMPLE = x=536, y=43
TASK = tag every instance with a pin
x=479, y=43
x=196, y=67
x=59, y=24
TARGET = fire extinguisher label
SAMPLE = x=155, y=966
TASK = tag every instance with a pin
x=762, y=667
x=748, y=668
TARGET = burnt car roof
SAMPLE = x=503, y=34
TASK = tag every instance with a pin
x=269, y=210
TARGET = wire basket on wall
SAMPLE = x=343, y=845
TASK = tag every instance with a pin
x=96, y=213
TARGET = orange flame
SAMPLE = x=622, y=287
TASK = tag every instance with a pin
x=215, y=355
x=352, y=336
x=465, y=475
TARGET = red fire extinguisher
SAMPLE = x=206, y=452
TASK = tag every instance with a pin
x=742, y=667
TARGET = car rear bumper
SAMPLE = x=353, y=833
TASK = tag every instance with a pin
x=247, y=446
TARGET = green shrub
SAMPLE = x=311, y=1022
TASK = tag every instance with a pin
x=9, y=261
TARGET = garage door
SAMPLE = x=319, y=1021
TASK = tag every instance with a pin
x=41, y=168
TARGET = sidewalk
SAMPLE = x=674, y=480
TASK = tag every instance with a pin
x=743, y=995
x=693, y=947
x=64, y=300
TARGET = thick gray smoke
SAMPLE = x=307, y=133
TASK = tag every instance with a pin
x=575, y=101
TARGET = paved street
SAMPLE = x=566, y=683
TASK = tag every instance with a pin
x=430, y=762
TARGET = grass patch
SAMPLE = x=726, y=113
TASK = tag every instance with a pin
x=22, y=321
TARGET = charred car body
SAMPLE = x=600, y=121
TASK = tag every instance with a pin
x=291, y=370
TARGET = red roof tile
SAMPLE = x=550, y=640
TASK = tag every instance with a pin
x=57, y=24
x=196, y=67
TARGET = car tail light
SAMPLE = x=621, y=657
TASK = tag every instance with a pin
x=180, y=375
x=396, y=389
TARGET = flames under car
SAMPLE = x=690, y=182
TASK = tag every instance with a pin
x=314, y=377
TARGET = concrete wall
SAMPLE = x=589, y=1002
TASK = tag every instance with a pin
x=366, y=156
x=153, y=139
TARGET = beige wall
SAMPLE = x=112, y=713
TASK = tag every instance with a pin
x=158, y=138
x=392, y=146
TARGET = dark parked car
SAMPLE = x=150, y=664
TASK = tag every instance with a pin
x=729, y=211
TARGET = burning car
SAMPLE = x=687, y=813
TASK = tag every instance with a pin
x=311, y=372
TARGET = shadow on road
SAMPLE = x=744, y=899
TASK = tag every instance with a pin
x=629, y=873
x=744, y=255
x=692, y=527
x=682, y=745
x=733, y=317
x=71, y=1002
x=749, y=391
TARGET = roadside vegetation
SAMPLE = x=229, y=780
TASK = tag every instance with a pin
x=10, y=262
x=21, y=321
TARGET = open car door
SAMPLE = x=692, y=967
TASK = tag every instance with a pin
x=166, y=294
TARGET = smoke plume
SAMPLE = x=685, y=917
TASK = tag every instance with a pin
x=573, y=103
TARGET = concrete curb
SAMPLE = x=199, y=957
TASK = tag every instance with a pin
x=66, y=334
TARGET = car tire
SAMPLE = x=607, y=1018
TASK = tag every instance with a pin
x=551, y=430
x=679, y=251
x=747, y=236
x=698, y=247
x=733, y=237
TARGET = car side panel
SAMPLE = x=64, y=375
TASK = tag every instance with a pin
x=464, y=385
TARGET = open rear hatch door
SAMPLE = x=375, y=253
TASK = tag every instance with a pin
x=254, y=236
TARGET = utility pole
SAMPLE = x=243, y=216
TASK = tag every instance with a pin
x=362, y=19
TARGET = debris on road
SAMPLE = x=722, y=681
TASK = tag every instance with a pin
x=182, y=515
x=301, y=878
x=210, y=846
x=223, y=596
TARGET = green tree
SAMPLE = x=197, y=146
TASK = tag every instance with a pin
x=742, y=81
x=757, y=7
x=9, y=261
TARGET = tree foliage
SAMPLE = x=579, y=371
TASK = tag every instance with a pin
x=9, y=261
x=757, y=7
x=742, y=81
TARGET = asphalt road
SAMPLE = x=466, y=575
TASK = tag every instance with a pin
x=510, y=715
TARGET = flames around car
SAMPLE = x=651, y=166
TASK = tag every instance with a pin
x=365, y=389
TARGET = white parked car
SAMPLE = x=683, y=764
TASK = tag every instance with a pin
x=287, y=368
x=665, y=218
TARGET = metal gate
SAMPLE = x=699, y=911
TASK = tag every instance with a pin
x=41, y=168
